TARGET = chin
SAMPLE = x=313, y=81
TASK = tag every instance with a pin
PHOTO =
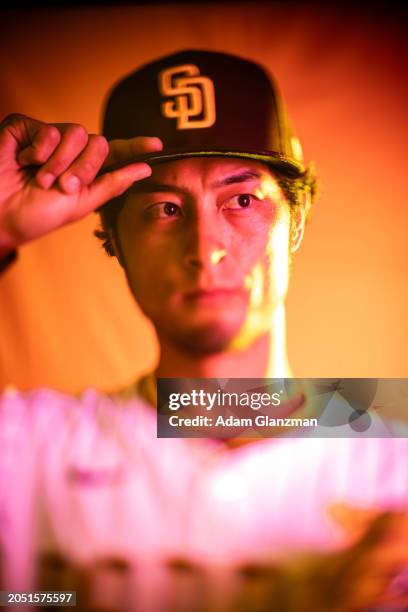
x=204, y=341
x=203, y=337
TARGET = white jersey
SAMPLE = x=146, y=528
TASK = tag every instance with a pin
x=90, y=496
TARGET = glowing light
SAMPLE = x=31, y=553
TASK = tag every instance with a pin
x=268, y=279
x=257, y=286
x=269, y=188
x=296, y=148
x=278, y=245
x=217, y=256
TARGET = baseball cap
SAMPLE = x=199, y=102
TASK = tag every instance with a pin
x=204, y=103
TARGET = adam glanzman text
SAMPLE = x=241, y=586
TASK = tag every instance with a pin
x=261, y=420
x=209, y=401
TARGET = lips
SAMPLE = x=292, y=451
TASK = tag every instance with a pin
x=212, y=294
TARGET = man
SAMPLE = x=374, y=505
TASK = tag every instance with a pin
x=204, y=215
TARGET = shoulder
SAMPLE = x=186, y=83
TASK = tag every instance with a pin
x=48, y=411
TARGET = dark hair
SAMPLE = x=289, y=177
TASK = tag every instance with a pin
x=294, y=188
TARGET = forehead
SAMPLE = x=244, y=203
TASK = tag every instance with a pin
x=208, y=170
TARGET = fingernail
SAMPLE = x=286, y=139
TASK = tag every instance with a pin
x=71, y=183
x=145, y=169
x=156, y=143
x=45, y=180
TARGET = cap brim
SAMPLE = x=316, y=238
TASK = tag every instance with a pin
x=284, y=164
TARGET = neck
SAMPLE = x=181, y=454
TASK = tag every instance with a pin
x=265, y=357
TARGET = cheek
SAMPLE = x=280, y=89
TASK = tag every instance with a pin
x=144, y=240
x=266, y=261
x=144, y=262
x=261, y=238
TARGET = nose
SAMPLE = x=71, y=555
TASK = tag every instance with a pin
x=205, y=246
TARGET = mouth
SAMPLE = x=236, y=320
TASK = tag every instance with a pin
x=215, y=294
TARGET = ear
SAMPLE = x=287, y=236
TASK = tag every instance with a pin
x=298, y=222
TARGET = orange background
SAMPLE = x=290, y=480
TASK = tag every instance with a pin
x=66, y=318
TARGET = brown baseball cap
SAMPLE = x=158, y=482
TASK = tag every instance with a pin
x=204, y=103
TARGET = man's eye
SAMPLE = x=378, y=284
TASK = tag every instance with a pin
x=164, y=210
x=243, y=200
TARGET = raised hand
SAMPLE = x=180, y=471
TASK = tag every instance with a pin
x=50, y=175
x=369, y=572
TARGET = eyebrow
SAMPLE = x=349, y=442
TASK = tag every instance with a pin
x=242, y=177
x=151, y=186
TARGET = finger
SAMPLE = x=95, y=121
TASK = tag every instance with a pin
x=121, y=151
x=86, y=166
x=18, y=132
x=109, y=186
x=73, y=141
x=44, y=142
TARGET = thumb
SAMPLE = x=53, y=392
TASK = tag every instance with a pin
x=123, y=151
x=109, y=186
